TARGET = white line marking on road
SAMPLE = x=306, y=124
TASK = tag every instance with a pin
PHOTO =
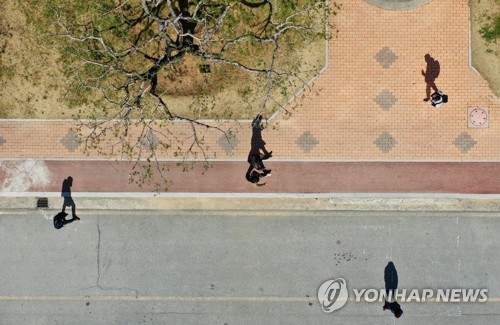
x=159, y=298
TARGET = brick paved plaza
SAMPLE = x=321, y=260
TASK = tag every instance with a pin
x=367, y=105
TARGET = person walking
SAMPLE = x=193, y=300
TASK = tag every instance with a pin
x=256, y=169
x=60, y=220
x=393, y=307
x=438, y=98
x=254, y=175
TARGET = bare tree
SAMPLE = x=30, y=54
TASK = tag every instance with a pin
x=126, y=50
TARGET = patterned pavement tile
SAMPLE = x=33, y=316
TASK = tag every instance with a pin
x=150, y=140
x=385, y=142
x=385, y=100
x=2, y=140
x=71, y=141
x=385, y=57
x=307, y=142
x=228, y=142
x=464, y=142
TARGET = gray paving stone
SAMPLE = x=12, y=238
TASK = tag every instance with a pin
x=385, y=99
x=385, y=57
x=150, y=140
x=464, y=142
x=307, y=142
x=2, y=140
x=385, y=142
x=71, y=141
x=228, y=142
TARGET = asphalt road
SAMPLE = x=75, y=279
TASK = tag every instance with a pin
x=205, y=267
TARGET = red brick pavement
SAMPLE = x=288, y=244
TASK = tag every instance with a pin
x=287, y=177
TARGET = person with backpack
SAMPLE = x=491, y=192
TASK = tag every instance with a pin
x=393, y=307
x=60, y=220
x=256, y=170
x=254, y=175
x=438, y=98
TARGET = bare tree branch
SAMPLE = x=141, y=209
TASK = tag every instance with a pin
x=124, y=49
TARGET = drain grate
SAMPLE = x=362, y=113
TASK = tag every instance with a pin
x=42, y=202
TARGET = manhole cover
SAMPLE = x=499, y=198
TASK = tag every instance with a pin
x=477, y=117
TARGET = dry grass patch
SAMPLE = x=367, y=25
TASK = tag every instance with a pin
x=36, y=81
x=485, y=55
x=31, y=83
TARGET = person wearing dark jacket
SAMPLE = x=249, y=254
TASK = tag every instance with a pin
x=438, y=98
x=254, y=175
x=394, y=307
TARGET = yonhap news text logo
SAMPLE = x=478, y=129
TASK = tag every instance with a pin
x=333, y=295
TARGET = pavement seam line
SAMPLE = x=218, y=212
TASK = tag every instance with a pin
x=191, y=298
x=366, y=195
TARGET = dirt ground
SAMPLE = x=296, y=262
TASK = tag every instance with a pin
x=485, y=57
x=33, y=86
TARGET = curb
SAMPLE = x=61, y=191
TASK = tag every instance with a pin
x=262, y=203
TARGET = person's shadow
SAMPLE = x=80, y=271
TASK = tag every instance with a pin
x=60, y=218
x=390, y=278
x=256, y=169
x=391, y=286
x=257, y=143
x=431, y=73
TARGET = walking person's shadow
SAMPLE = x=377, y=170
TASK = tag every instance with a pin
x=60, y=218
x=391, y=286
x=257, y=143
x=257, y=154
x=431, y=73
